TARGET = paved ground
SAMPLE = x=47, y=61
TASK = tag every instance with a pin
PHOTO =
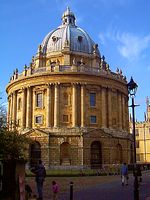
x=95, y=188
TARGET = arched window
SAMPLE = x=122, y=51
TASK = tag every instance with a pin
x=35, y=153
x=96, y=155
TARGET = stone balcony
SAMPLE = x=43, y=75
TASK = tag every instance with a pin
x=63, y=69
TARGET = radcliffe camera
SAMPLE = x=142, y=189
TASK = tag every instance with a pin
x=70, y=126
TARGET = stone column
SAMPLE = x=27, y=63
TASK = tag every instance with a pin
x=109, y=105
x=11, y=111
x=49, y=107
x=83, y=105
x=14, y=110
x=119, y=111
x=80, y=150
x=103, y=108
x=8, y=114
x=127, y=115
x=29, y=108
x=23, y=108
x=56, y=105
x=123, y=112
x=74, y=105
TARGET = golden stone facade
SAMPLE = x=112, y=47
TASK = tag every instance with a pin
x=142, y=131
x=70, y=102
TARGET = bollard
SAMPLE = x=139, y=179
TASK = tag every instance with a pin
x=71, y=190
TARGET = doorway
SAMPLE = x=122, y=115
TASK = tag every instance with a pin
x=35, y=153
x=96, y=155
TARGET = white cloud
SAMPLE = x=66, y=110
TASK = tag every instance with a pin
x=129, y=45
x=102, y=38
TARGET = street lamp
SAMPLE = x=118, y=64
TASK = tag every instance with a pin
x=132, y=88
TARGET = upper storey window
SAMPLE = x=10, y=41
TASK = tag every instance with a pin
x=137, y=144
x=65, y=99
x=80, y=38
x=93, y=119
x=38, y=119
x=137, y=132
x=92, y=99
x=39, y=100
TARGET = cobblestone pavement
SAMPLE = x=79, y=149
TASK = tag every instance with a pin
x=94, y=188
x=80, y=183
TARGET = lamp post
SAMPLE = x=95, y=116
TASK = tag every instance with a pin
x=132, y=88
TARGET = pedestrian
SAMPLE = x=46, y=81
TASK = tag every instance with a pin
x=55, y=189
x=124, y=174
x=40, y=174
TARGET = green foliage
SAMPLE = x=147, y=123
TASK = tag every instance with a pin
x=12, y=144
x=3, y=114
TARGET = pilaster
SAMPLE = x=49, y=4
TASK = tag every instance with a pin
x=119, y=111
x=74, y=105
x=23, y=108
x=49, y=106
x=29, y=110
x=103, y=107
x=82, y=105
x=14, y=112
x=56, y=105
x=123, y=112
x=109, y=105
x=11, y=111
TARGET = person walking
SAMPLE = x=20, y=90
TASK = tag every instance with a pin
x=124, y=174
x=55, y=189
x=40, y=174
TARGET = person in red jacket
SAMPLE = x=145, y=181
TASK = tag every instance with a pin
x=55, y=189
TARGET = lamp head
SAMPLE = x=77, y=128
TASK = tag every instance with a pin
x=132, y=87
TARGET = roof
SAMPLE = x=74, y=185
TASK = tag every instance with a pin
x=68, y=35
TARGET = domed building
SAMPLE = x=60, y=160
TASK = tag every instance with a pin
x=70, y=103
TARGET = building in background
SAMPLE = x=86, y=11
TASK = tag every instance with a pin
x=70, y=102
x=142, y=130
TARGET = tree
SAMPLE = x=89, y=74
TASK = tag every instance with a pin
x=12, y=144
x=3, y=115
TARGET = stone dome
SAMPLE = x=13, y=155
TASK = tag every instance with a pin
x=68, y=35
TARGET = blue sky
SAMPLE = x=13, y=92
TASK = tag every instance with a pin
x=120, y=27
